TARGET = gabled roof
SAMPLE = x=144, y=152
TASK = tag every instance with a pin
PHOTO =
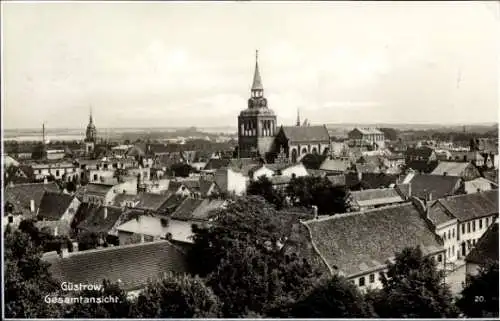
x=185, y=210
x=147, y=201
x=54, y=204
x=21, y=195
x=215, y=163
x=481, y=184
x=94, y=217
x=438, y=214
x=438, y=186
x=306, y=133
x=336, y=165
x=486, y=249
x=373, y=197
x=368, y=168
x=371, y=180
x=357, y=242
x=132, y=266
x=451, y=168
x=171, y=203
x=202, y=212
x=472, y=206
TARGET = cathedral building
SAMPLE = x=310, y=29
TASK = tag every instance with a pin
x=258, y=135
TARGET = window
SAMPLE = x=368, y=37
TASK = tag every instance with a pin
x=449, y=234
x=11, y=219
x=444, y=236
x=95, y=177
x=463, y=228
x=57, y=172
x=468, y=227
x=453, y=249
x=453, y=233
x=440, y=258
x=487, y=219
x=473, y=226
x=372, y=278
x=480, y=223
x=362, y=281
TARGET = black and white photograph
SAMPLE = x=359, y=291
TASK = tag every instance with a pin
x=250, y=159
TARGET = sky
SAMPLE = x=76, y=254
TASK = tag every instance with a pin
x=166, y=64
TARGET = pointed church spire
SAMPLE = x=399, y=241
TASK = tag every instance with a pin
x=257, y=81
x=298, y=117
x=90, y=115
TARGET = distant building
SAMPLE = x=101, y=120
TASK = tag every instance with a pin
x=370, y=136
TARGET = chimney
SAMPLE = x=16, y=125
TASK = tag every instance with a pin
x=360, y=176
x=105, y=212
x=142, y=238
x=32, y=206
x=409, y=190
x=45, y=181
x=75, y=246
x=315, y=211
x=64, y=250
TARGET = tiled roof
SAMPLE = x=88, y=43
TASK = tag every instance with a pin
x=336, y=165
x=472, y=206
x=481, y=184
x=438, y=214
x=422, y=166
x=185, y=210
x=306, y=133
x=438, y=186
x=368, y=168
x=337, y=180
x=202, y=212
x=95, y=189
x=316, y=172
x=171, y=203
x=486, y=249
x=357, y=242
x=216, y=163
x=53, y=205
x=205, y=187
x=132, y=266
x=451, y=168
x=371, y=180
x=62, y=227
x=372, y=197
x=21, y=195
x=151, y=201
x=94, y=218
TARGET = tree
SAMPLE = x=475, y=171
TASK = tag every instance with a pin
x=27, y=278
x=263, y=187
x=319, y=191
x=243, y=262
x=87, y=241
x=313, y=161
x=176, y=296
x=414, y=288
x=332, y=298
x=390, y=133
x=181, y=169
x=480, y=297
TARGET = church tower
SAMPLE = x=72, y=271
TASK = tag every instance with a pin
x=90, y=136
x=257, y=123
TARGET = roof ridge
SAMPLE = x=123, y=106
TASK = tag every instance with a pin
x=117, y=248
x=341, y=215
